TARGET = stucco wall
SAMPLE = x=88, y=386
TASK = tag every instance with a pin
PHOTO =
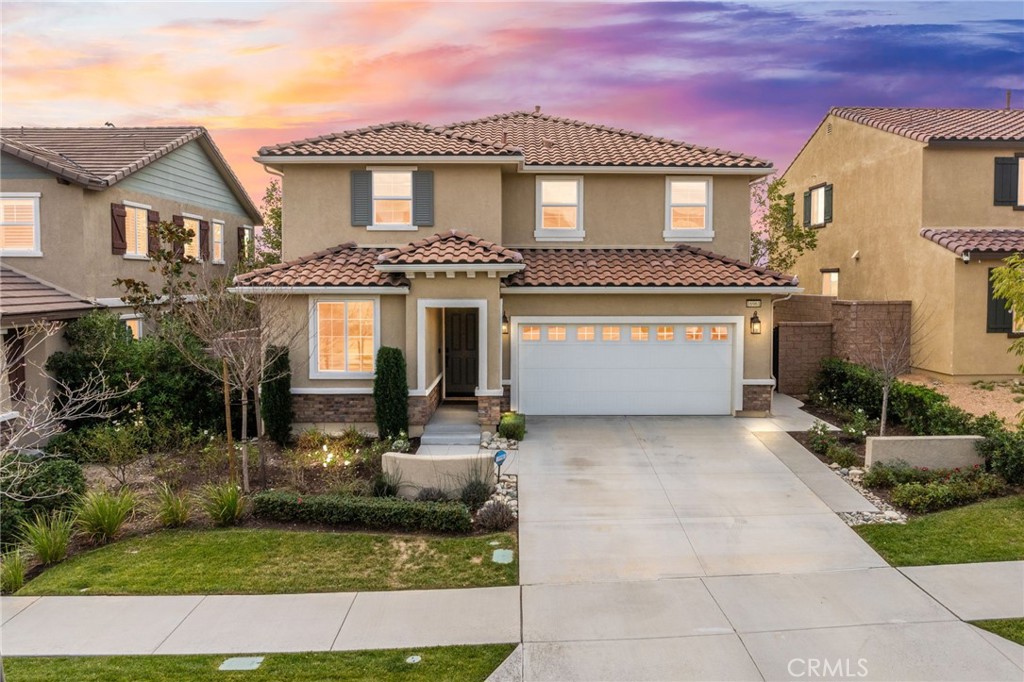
x=317, y=206
x=958, y=188
x=629, y=210
x=975, y=352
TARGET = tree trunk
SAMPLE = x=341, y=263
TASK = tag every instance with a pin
x=232, y=467
x=886, y=388
x=245, y=441
x=260, y=449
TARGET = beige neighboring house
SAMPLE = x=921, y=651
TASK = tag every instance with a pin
x=77, y=208
x=523, y=261
x=919, y=205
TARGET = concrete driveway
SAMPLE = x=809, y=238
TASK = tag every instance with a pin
x=708, y=548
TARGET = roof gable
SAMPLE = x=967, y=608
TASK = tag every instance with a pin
x=991, y=241
x=345, y=265
x=450, y=248
x=946, y=125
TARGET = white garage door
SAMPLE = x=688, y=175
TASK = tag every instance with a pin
x=635, y=368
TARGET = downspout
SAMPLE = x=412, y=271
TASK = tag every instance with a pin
x=772, y=372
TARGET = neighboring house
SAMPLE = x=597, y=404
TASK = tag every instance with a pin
x=78, y=207
x=521, y=261
x=918, y=205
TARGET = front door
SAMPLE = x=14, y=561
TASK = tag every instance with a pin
x=461, y=359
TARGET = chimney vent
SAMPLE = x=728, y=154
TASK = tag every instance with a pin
x=1009, y=94
x=536, y=109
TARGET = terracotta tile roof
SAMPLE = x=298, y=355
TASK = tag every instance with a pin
x=448, y=248
x=100, y=157
x=400, y=138
x=682, y=266
x=927, y=125
x=342, y=266
x=959, y=241
x=553, y=141
x=25, y=297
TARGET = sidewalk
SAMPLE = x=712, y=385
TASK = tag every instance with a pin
x=228, y=624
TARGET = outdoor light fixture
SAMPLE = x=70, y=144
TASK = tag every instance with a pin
x=504, y=323
x=755, y=324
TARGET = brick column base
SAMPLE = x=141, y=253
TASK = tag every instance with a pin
x=757, y=399
x=488, y=409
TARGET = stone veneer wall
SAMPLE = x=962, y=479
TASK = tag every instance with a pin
x=801, y=347
x=488, y=410
x=357, y=408
x=757, y=398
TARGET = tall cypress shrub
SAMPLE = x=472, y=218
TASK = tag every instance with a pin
x=276, y=403
x=391, y=393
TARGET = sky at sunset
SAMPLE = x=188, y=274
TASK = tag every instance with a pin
x=749, y=77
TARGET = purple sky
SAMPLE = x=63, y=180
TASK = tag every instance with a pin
x=750, y=77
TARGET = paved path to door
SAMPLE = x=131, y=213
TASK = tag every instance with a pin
x=708, y=548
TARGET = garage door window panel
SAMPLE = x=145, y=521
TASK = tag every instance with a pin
x=611, y=334
x=639, y=333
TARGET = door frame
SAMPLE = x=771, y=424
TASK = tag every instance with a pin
x=421, y=337
x=444, y=355
x=737, y=322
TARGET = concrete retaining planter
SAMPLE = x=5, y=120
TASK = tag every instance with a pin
x=933, y=452
x=446, y=472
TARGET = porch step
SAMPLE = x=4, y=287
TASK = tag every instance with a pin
x=450, y=438
x=452, y=424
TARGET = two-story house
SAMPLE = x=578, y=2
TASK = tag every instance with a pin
x=77, y=210
x=521, y=261
x=918, y=205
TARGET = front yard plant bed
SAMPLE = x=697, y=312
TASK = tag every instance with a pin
x=992, y=530
x=264, y=561
x=384, y=513
x=1007, y=628
x=456, y=663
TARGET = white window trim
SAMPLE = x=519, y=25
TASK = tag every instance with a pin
x=314, y=338
x=542, y=234
x=683, y=235
x=1020, y=182
x=137, y=256
x=821, y=206
x=213, y=240
x=37, y=250
x=391, y=227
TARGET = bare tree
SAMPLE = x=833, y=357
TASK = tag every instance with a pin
x=35, y=415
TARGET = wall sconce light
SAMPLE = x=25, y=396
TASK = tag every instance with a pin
x=504, y=323
x=755, y=324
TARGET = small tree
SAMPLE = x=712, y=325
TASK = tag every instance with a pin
x=177, y=275
x=1008, y=284
x=391, y=393
x=267, y=250
x=777, y=241
x=277, y=410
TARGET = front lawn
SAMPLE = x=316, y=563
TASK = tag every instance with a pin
x=469, y=663
x=262, y=561
x=987, y=531
x=1008, y=628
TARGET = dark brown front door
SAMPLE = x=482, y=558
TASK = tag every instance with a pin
x=461, y=360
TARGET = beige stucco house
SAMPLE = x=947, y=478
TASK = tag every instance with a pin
x=521, y=261
x=77, y=207
x=919, y=205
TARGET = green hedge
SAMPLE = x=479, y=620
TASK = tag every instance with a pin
x=276, y=399
x=384, y=513
x=391, y=394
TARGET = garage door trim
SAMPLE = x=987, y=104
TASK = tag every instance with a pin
x=737, y=322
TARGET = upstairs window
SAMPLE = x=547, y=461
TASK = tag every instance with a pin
x=559, y=209
x=392, y=198
x=19, y=224
x=192, y=245
x=136, y=230
x=218, y=241
x=818, y=206
x=1009, y=181
x=688, y=209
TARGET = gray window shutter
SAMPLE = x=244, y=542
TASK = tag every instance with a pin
x=362, y=198
x=1006, y=181
x=118, y=235
x=828, y=203
x=807, y=208
x=1000, y=320
x=423, y=198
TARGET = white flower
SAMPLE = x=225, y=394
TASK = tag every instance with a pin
x=347, y=462
x=325, y=447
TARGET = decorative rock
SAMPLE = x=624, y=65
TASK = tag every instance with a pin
x=833, y=466
x=486, y=435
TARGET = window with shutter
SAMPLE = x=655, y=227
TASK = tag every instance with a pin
x=828, y=204
x=807, y=208
x=362, y=199
x=423, y=198
x=19, y=224
x=204, y=240
x=218, y=241
x=136, y=225
x=818, y=206
x=192, y=245
x=391, y=193
x=118, y=233
x=153, y=218
x=1007, y=190
x=1000, y=320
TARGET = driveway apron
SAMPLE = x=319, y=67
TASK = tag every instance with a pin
x=684, y=548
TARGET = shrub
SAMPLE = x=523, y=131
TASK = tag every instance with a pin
x=391, y=394
x=953, y=491
x=387, y=485
x=820, y=438
x=842, y=455
x=224, y=504
x=276, y=397
x=401, y=443
x=1004, y=454
x=475, y=493
x=115, y=445
x=944, y=419
x=172, y=509
x=495, y=515
x=32, y=485
x=12, y=572
x=848, y=386
x=857, y=426
x=882, y=475
x=101, y=514
x=387, y=513
x=910, y=405
x=48, y=535
x=431, y=495
x=512, y=426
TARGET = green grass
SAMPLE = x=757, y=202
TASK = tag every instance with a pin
x=443, y=663
x=259, y=561
x=987, y=531
x=1008, y=628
